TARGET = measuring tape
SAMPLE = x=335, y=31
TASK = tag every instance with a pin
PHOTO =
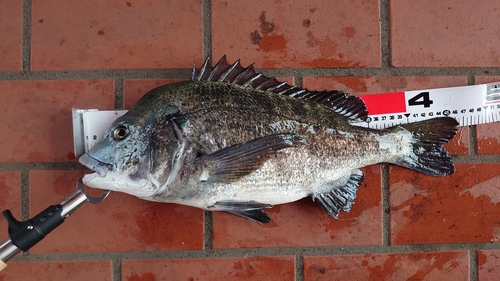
x=470, y=105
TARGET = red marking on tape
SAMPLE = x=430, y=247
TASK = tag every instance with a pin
x=385, y=103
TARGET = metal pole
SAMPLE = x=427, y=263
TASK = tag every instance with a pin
x=8, y=250
x=24, y=235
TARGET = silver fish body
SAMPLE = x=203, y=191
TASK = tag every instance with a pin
x=233, y=140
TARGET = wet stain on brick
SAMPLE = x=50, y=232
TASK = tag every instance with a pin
x=488, y=145
x=457, y=208
x=71, y=156
x=428, y=262
x=328, y=49
x=481, y=259
x=100, y=32
x=148, y=276
x=442, y=261
x=306, y=23
x=488, y=264
x=411, y=266
x=154, y=223
x=384, y=271
x=349, y=31
x=331, y=62
x=488, y=138
x=251, y=267
x=267, y=40
x=354, y=84
x=40, y=21
x=128, y=4
x=273, y=42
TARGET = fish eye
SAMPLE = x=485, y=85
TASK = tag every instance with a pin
x=120, y=132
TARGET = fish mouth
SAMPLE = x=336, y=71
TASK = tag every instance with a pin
x=99, y=167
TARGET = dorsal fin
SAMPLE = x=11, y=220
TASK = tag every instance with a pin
x=340, y=102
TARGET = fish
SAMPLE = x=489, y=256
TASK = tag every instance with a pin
x=232, y=139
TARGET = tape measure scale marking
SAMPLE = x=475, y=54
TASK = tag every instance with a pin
x=470, y=105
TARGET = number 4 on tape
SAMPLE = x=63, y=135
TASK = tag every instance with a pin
x=470, y=105
x=422, y=98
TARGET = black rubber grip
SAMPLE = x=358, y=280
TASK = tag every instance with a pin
x=28, y=233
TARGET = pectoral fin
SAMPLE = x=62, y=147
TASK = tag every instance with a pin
x=251, y=210
x=232, y=163
x=340, y=197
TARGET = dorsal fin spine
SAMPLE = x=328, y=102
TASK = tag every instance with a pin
x=226, y=73
x=249, y=69
x=193, y=73
x=253, y=78
x=340, y=102
x=219, y=69
x=262, y=86
x=297, y=93
x=203, y=70
x=277, y=86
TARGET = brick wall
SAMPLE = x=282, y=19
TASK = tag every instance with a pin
x=55, y=55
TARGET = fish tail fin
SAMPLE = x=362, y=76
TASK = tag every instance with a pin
x=427, y=154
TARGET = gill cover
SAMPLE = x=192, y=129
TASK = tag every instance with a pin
x=167, y=150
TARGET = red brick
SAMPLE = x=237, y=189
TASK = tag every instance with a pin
x=36, y=116
x=304, y=223
x=370, y=85
x=489, y=265
x=412, y=266
x=444, y=33
x=300, y=34
x=463, y=207
x=10, y=198
x=116, y=35
x=120, y=223
x=212, y=269
x=486, y=79
x=488, y=135
x=58, y=270
x=11, y=28
x=133, y=90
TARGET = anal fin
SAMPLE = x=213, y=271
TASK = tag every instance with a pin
x=340, y=198
x=251, y=210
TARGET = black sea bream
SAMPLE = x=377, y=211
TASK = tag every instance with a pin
x=231, y=139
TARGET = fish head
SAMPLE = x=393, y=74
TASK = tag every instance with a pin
x=136, y=155
x=119, y=159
